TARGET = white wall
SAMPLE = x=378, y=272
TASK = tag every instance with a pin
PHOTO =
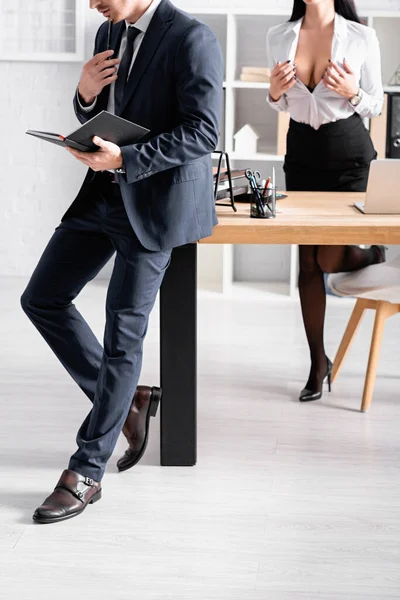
x=37, y=180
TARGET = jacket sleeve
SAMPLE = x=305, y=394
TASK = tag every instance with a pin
x=199, y=72
x=282, y=103
x=84, y=114
x=371, y=80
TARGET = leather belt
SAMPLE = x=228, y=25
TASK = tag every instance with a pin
x=111, y=177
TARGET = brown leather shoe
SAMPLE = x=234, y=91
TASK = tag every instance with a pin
x=136, y=429
x=70, y=497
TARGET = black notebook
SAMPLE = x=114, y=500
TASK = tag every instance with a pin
x=105, y=125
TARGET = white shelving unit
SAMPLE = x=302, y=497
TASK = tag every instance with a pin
x=42, y=31
x=242, y=35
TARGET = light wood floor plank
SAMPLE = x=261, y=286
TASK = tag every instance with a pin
x=288, y=501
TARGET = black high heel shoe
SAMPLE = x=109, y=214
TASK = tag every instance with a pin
x=381, y=252
x=307, y=395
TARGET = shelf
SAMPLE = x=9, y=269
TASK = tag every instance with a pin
x=285, y=12
x=259, y=291
x=251, y=85
x=261, y=156
x=242, y=34
x=391, y=88
x=258, y=85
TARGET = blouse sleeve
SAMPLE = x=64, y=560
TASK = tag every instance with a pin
x=282, y=103
x=371, y=80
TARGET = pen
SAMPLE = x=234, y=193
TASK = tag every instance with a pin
x=273, y=197
x=110, y=25
x=266, y=186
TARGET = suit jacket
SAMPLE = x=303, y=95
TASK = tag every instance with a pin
x=175, y=90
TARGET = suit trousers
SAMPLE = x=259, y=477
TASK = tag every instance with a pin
x=80, y=246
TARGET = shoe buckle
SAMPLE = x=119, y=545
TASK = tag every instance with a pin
x=79, y=494
x=89, y=481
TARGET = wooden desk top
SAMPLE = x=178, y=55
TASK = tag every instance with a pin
x=307, y=218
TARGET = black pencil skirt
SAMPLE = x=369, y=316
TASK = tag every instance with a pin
x=333, y=158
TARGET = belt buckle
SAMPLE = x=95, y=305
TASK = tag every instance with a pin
x=112, y=178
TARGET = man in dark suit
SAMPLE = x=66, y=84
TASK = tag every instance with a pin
x=139, y=201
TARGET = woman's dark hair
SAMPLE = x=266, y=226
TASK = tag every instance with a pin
x=345, y=8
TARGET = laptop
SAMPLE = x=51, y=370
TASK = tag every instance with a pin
x=383, y=188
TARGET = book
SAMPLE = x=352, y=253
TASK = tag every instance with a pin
x=254, y=77
x=105, y=125
x=257, y=70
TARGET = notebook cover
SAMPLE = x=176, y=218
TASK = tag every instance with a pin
x=105, y=125
x=109, y=127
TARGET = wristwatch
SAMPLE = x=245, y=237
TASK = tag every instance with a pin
x=355, y=100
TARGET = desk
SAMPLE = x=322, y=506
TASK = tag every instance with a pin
x=303, y=218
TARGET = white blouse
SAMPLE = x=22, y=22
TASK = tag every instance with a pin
x=356, y=43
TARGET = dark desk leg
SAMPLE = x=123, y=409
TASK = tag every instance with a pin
x=178, y=325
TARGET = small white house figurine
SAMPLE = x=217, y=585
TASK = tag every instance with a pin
x=246, y=140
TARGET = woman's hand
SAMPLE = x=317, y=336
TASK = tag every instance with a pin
x=341, y=81
x=282, y=79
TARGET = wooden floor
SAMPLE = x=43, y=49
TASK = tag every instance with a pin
x=288, y=501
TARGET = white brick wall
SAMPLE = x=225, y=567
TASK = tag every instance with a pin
x=37, y=180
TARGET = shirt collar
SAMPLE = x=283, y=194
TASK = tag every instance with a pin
x=144, y=21
x=340, y=25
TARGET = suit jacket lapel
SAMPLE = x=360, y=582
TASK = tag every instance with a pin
x=160, y=23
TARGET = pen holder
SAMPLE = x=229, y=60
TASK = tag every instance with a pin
x=263, y=203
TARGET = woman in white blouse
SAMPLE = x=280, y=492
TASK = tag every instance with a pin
x=326, y=73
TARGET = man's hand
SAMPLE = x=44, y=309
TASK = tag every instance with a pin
x=108, y=157
x=98, y=72
x=283, y=77
x=341, y=81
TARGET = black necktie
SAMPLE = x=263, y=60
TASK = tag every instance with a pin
x=123, y=71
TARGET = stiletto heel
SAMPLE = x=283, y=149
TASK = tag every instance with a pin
x=156, y=394
x=329, y=374
x=308, y=395
x=382, y=251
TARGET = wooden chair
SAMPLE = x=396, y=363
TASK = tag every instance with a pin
x=377, y=288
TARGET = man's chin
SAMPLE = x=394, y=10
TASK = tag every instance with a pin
x=116, y=19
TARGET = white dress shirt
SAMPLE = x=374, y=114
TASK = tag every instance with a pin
x=356, y=43
x=142, y=23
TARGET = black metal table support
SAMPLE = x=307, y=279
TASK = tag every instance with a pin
x=178, y=358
